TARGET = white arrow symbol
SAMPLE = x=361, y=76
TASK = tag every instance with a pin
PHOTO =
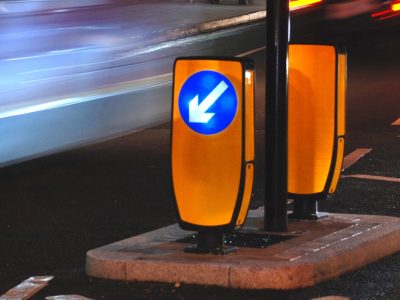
x=197, y=113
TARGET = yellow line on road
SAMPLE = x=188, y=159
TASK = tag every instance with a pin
x=373, y=177
x=27, y=288
x=354, y=156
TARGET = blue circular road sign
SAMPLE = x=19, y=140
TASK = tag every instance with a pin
x=208, y=102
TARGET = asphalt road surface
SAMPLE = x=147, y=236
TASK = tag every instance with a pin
x=54, y=209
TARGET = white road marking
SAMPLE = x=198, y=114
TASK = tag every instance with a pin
x=373, y=177
x=252, y=51
x=27, y=288
x=68, y=297
x=354, y=156
x=332, y=298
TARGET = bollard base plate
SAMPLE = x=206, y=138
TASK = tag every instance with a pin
x=311, y=217
x=199, y=250
x=306, y=209
x=210, y=242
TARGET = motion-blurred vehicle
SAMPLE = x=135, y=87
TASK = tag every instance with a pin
x=340, y=20
x=389, y=10
x=72, y=76
x=344, y=9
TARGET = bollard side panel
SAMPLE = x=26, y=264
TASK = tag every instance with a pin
x=340, y=119
x=316, y=120
x=249, y=151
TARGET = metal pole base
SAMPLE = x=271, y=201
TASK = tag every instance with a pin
x=306, y=210
x=210, y=242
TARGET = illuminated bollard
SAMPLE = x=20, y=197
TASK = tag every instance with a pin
x=316, y=125
x=212, y=146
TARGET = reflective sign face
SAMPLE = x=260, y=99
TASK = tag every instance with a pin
x=212, y=168
x=208, y=102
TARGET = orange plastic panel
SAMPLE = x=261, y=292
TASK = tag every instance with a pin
x=342, y=88
x=338, y=165
x=311, y=117
x=248, y=187
x=341, y=120
x=206, y=169
x=298, y=4
x=249, y=146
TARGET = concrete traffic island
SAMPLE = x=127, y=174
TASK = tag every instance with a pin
x=318, y=251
